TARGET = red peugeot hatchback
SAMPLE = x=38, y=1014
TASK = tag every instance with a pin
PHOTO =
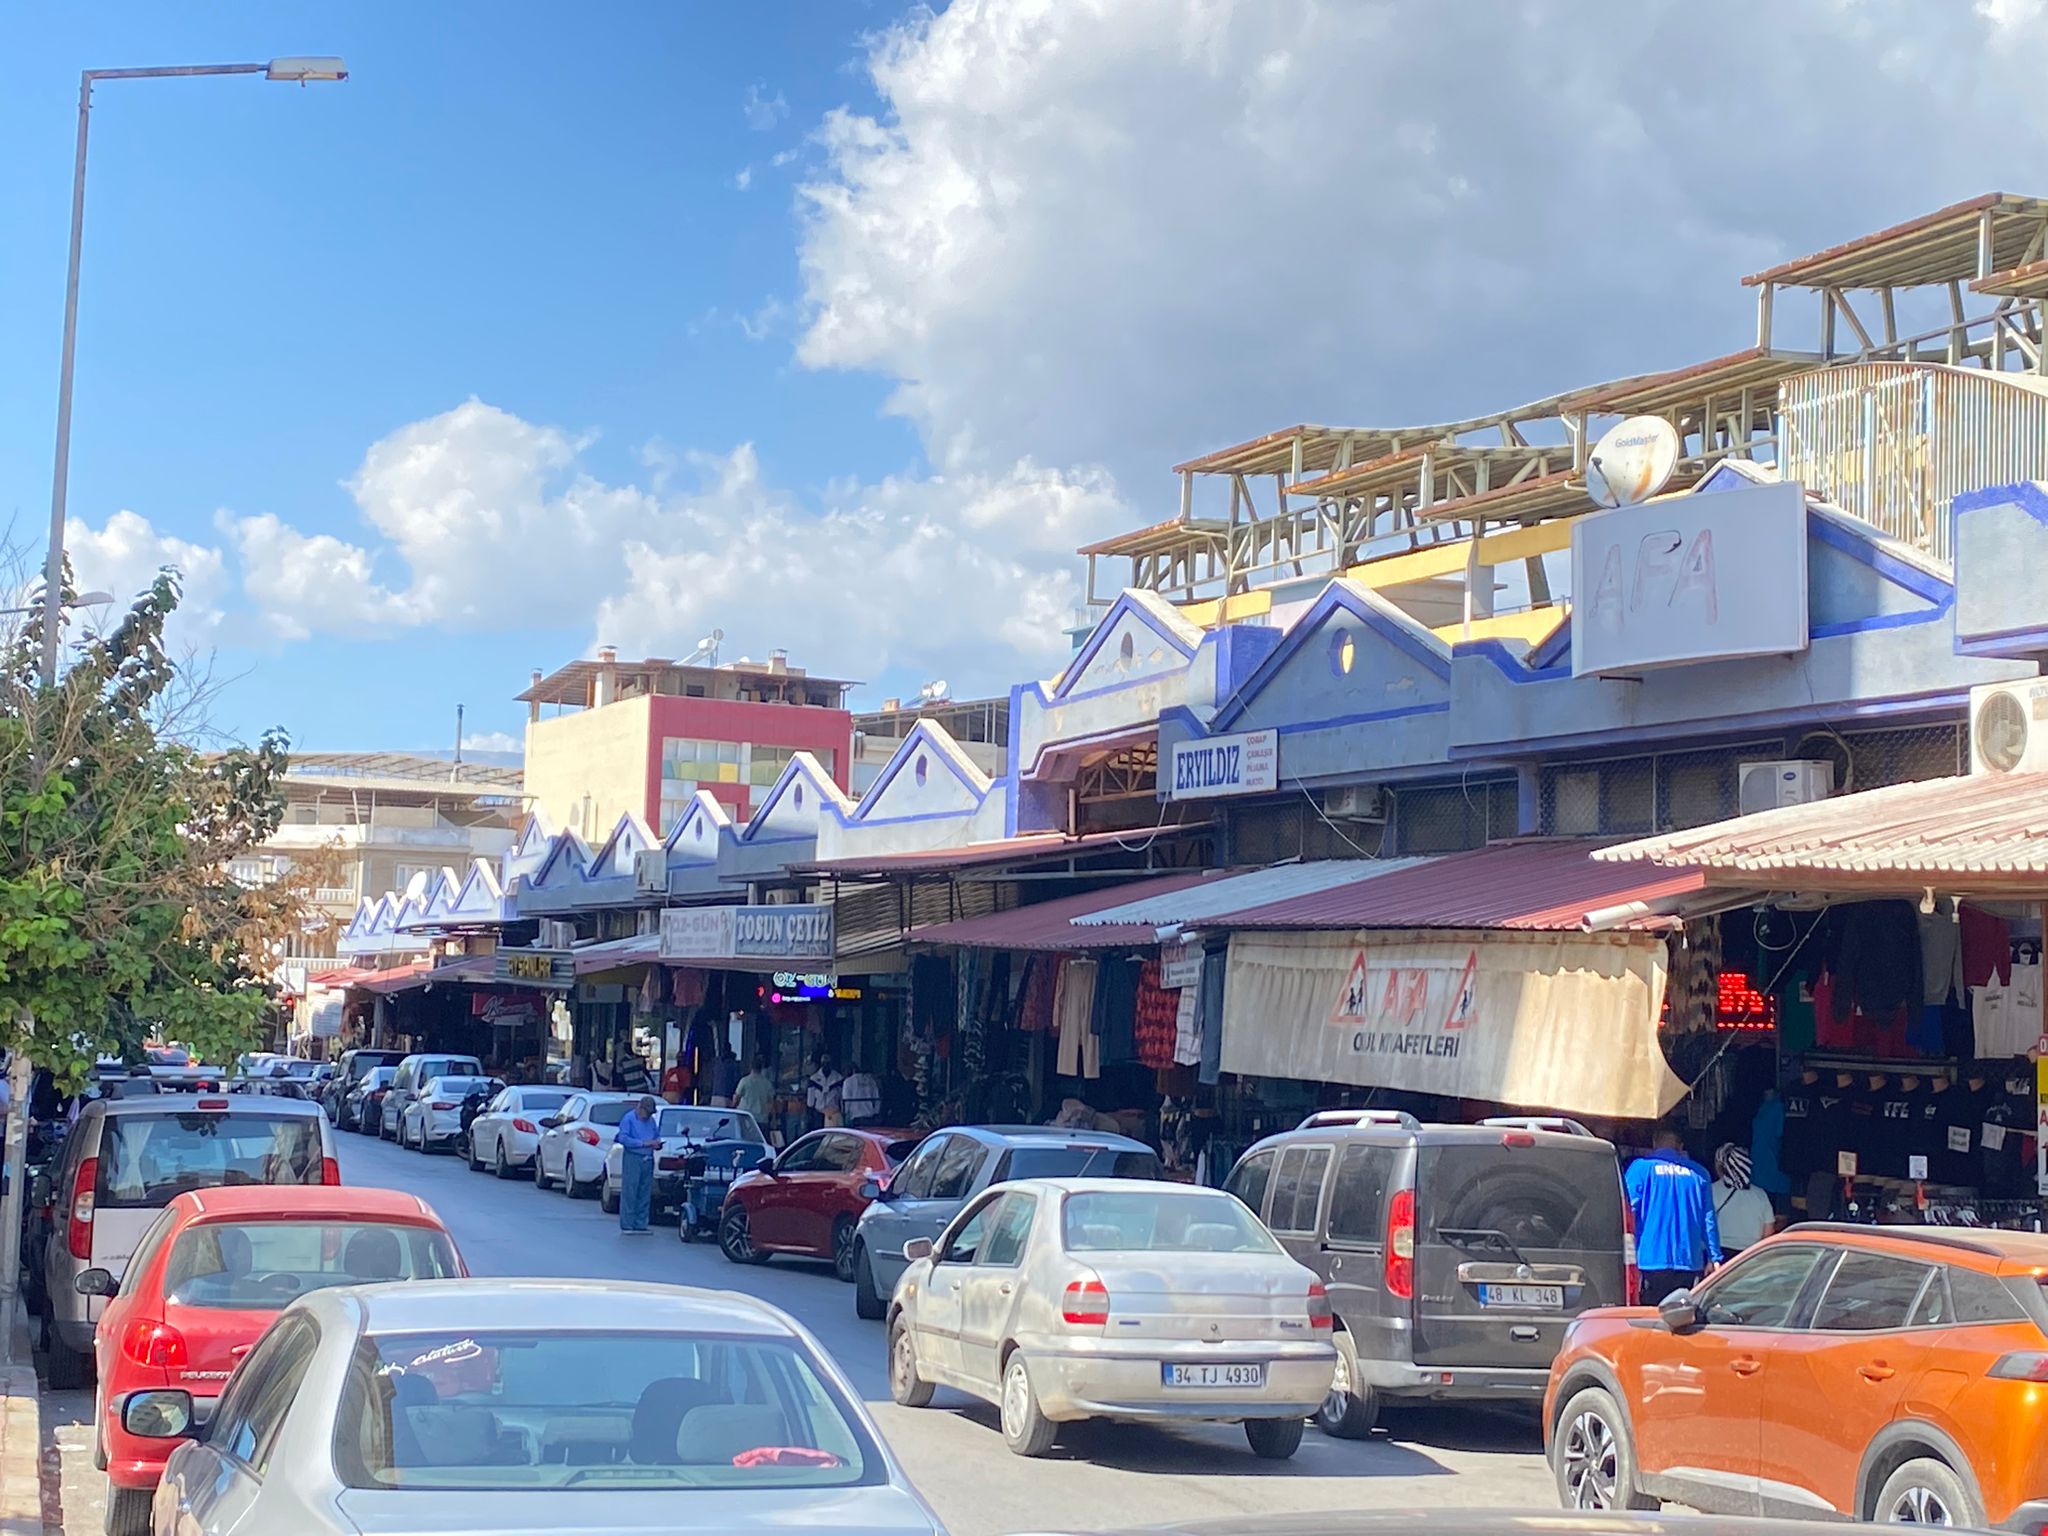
x=206, y=1280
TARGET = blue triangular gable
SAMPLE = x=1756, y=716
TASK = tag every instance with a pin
x=480, y=897
x=1140, y=636
x=568, y=857
x=1387, y=650
x=614, y=858
x=791, y=810
x=928, y=775
x=698, y=832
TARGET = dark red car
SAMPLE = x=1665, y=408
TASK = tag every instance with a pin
x=809, y=1200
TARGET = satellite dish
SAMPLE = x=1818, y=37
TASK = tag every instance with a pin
x=934, y=692
x=1632, y=462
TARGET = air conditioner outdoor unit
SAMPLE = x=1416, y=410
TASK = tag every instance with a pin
x=2009, y=727
x=650, y=871
x=1356, y=802
x=1798, y=781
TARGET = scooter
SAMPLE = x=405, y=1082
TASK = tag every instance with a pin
x=472, y=1106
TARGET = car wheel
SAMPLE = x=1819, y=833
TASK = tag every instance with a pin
x=843, y=1250
x=1352, y=1407
x=905, y=1385
x=867, y=1301
x=1026, y=1429
x=1591, y=1457
x=735, y=1240
x=1274, y=1439
x=540, y=1170
x=66, y=1369
x=499, y=1166
x=128, y=1511
x=607, y=1197
x=1927, y=1492
x=469, y=1152
x=570, y=1186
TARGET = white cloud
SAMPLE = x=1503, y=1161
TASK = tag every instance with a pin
x=743, y=178
x=492, y=741
x=761, y=110
x=123, y=556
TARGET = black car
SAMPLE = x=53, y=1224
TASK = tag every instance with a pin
x=349, y=1071
x=1455, y=1255
x=362, y=1109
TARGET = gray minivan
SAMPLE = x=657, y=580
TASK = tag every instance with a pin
x=413, y=1074
x=1455, y=1255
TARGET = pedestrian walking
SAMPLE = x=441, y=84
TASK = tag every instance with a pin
x=638, y=1135
x=1677, y=1241
x=756, y=1092
x=860, y=1096
x=1742, y=1213
x=822, y=1093
x=725, y=1077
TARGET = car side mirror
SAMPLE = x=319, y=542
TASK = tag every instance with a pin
x=917, y=1248
x=871, y=1189
x=1681, y=1312
x=160, y=1415
x=766, y=1165
x=96, y=1282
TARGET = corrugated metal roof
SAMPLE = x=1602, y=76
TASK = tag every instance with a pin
x=1236, y=893
x=1532, y=885
x=1050, y=925
x=1937, y=247
x=1010, y=850
x=1982, y=829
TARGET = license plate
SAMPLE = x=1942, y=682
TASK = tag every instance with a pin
x=1213, y=1375
x=1548, y=1298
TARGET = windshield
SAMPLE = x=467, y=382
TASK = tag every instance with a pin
x=259, y=1266
x=1155, y=1221
x=168, y=1056
x=461, y=1087
x=379, y=1077
x=1079, y=1163
x=543, y=1098
x=1481, y=1193
x=145, y=1159
x=515, y=1410
x=609, y=1114
x=710, y=1124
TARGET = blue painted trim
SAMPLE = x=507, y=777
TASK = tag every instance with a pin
x=2027, y=495
x=1556, y=646
x=563, y=840
x=1371, y=717
x=1511, y=666
x=1881, y=621
x=826, y=791
x=2004, y=643
x=1100, y=637
x=1900, y=573
x=1335, y=597
x=922, y=732
x=1931, y=704
x=1093, y=738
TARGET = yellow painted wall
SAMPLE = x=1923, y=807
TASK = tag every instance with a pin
x=601, y=753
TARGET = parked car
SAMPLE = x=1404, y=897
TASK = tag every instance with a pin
x=284, y=1077
x=206, y=1280
x=534, y=1406
x=808, y=1199
x=1065, y=1299
x=1466, y=1522
x=1874, y=1373
x=573, y=1141
x=363, y=1108
x=505, y=1136
x=434, y=1118
x=350, y=1068
x=176, y=1071
x=126, y=1159
x=414, y=1072
x=950, y=1167
x=1455, y=1255
x=683, y=1128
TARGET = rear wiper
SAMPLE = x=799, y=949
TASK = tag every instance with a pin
x=1482, y=1240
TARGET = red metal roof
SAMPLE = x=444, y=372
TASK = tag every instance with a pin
x=1049, y=924
x=420, y=973
x=1011, y=850
x=1532, y=885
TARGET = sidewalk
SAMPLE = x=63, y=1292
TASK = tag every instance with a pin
x=21, y=1483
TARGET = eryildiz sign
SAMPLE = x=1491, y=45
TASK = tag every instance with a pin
x=1703, y=577
x=1224, y=765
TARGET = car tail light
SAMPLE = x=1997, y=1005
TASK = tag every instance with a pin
x=1631, y=1275
x=1086, y=1304
x=213, y=1103
x=79, y=1232
x=525, y=1127
x=330, y=1171
x=1518, y=1138
x=158, y=1344
x=1401, y=1244
x=586, y=1135
x=1319, y=1314
x=444, y=1104
x=2025, y=1365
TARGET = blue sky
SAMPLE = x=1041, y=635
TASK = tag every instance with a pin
x=840, y=325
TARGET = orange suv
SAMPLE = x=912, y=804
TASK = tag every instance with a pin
x=1879, y=1373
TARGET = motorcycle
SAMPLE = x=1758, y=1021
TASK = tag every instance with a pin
x=472, y=1106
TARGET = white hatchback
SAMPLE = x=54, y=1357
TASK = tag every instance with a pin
x=574, y=1139
x=504, y=1138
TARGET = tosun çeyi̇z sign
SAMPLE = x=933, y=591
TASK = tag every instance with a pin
x=798, y=931
x=1247, y=764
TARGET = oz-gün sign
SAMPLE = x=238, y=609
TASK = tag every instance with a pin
x=800, y=931
x=1248, y=764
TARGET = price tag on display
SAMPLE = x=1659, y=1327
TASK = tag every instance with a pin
x=1959, y=1138
x=1845, y=1164
x=1916, y=1167
x=1994, y=1138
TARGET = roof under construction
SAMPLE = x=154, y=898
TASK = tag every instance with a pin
x=1954, y=244
x=407, y=770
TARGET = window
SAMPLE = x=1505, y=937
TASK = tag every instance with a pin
x=840, y=1154
x=1299, y=1213
x=1358, y=1201
x=571, y=1111
x=1982, y=1299
x=765, y=764
x=611, y=1113
x=1934, y=1309
x=807, y=1156
x=1076, y=1162
x=261, y=1393
x=965, y=1244
x=259, y=1266
x=146, y=1159
x=1249, y=1179
x=687, y=762
x=146, y=1251
x=954, y=1177
x=1153, y=1221
x=913, y=1181
x=1869, y=1291
x=1536, y=1201
x=1010, y=1229
x=1760, y=1292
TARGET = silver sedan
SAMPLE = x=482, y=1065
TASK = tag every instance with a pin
x=1063, y=1299
x=530, y=1407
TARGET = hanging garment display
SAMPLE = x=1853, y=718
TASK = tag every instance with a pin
x=1878, y=943
x=1187, y=1030
x=1692, y=987
x=1156, y=1010
x=1116, y=1008
x=1073, y=1013
x=1209, y=1012
x=1034, y=1006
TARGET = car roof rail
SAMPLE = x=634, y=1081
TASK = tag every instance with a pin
x=1323, y=1118
x=1558, y=1123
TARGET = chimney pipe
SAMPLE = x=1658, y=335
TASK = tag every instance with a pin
x=607, y=675
x=458, y=739
x=533, y=705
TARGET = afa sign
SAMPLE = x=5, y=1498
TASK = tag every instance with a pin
x=1703, y=577
x=1407, y=1004
x=1247, y=764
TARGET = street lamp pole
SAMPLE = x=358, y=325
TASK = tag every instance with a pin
x=19, y=1068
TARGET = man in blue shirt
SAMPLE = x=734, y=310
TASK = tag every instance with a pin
x=1677, y=1241
x=638, y=1135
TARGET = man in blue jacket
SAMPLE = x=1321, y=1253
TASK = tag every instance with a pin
x=1677, y=1241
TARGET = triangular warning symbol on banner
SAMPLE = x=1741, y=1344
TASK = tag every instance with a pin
x=1352, y=1003
x=1464, y=1006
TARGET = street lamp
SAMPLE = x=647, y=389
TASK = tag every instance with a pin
x=303, y=71
x=83, y=600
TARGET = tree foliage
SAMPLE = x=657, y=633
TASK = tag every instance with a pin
x=119, y=919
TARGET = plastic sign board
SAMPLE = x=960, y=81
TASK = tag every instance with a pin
x=798, y=931
x=1632, y=462
x=1215, y=766
x=1691, y=578
x=551, y=968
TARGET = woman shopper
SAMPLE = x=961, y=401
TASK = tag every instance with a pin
x=1742, y=1212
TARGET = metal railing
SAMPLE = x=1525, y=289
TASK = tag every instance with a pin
x=1895, y=443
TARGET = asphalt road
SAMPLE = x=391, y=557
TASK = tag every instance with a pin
x=1101, y=1475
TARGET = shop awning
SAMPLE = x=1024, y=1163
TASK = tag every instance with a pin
x=406, y=977
x=1050, y=924
x=1983, y=833
x=1554, y=886
x=1230, y=894
x=1009, y=850
x=612, y=954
